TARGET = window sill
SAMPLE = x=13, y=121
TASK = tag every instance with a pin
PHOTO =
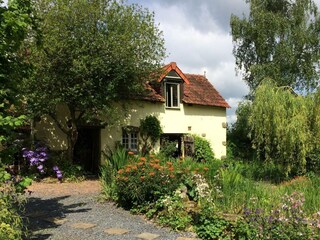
x=173, y=108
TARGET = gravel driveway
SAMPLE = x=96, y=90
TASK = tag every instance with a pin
x=70, y=211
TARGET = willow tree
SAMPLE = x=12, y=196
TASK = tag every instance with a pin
x=92, y=53
x=287, y=129
x=279, y=39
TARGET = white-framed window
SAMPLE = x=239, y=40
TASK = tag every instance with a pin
x=130, y=140
x=172, y=91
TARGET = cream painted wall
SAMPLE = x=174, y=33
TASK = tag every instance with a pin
x=47, y=131
x=205, y=121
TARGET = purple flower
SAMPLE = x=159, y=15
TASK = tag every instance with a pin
x=59, y=174
x=33, y=161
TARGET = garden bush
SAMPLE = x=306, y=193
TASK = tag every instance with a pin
x=202, y=150
x=217, y=199
x=11, y=187
x=146, y=179
x=114, y=160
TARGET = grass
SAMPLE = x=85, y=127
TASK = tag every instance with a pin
x=240, y=191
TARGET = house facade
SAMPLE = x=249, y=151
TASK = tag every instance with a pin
x=185, y=104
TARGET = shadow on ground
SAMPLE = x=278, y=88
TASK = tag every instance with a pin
x=42, y=214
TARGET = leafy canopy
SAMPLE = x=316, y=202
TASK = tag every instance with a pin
x=287, y=129
x=15, y=24
x=92, y=53
x=278, y=40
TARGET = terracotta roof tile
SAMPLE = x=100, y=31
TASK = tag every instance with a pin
x=197, y=90
x=151, y=94
x=201, y=92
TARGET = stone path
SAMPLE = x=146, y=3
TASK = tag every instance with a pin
x=70, y=211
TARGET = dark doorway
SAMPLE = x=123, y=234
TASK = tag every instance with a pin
x=87, y=149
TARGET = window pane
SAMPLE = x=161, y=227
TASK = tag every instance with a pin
x=125, y=140
x=172, y=95
x=134, y=141
x=168, y=95
x=175, y=96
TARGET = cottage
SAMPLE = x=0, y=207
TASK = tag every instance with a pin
x=185, y=104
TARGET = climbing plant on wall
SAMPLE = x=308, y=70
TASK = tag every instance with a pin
x=150, y=132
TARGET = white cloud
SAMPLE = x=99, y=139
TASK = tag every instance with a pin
x=197, y=38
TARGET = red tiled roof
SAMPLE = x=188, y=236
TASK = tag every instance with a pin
x=197, y=89
x=201, y=92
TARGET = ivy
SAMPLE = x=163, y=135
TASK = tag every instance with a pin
x=150, y=131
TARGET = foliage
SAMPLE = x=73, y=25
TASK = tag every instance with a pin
x=150, y=132
x=11, y=226
x=283, y=133
x=173, y=212
x=278, y=40
x=114, y=161
x=146, y=180
x=202, y=149
x=71, y=172
x=263, y=171
x=15, y=24
x=286, y=222
x=209, y=225
x=168, y=148
x=211, y=197
x=238, y=138
x=92, y=54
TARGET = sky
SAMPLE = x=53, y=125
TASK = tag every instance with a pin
x=198, y=39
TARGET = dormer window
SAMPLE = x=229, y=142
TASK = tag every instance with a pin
x=172, y=91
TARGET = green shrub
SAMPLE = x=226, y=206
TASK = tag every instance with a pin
x=168, y=149
x=208, y=225
x=11, y=226
x=150, y=132
x=71, y=172
x=145, y=180
x=202, y=150
x=114, y=160
x=173, y=212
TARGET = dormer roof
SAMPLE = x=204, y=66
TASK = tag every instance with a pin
x=197, y=89
x=173, y=67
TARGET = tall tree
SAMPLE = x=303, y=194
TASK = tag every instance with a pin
x=15, y=24
x=93, y=52
x=280, y=39
x=287, y=129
